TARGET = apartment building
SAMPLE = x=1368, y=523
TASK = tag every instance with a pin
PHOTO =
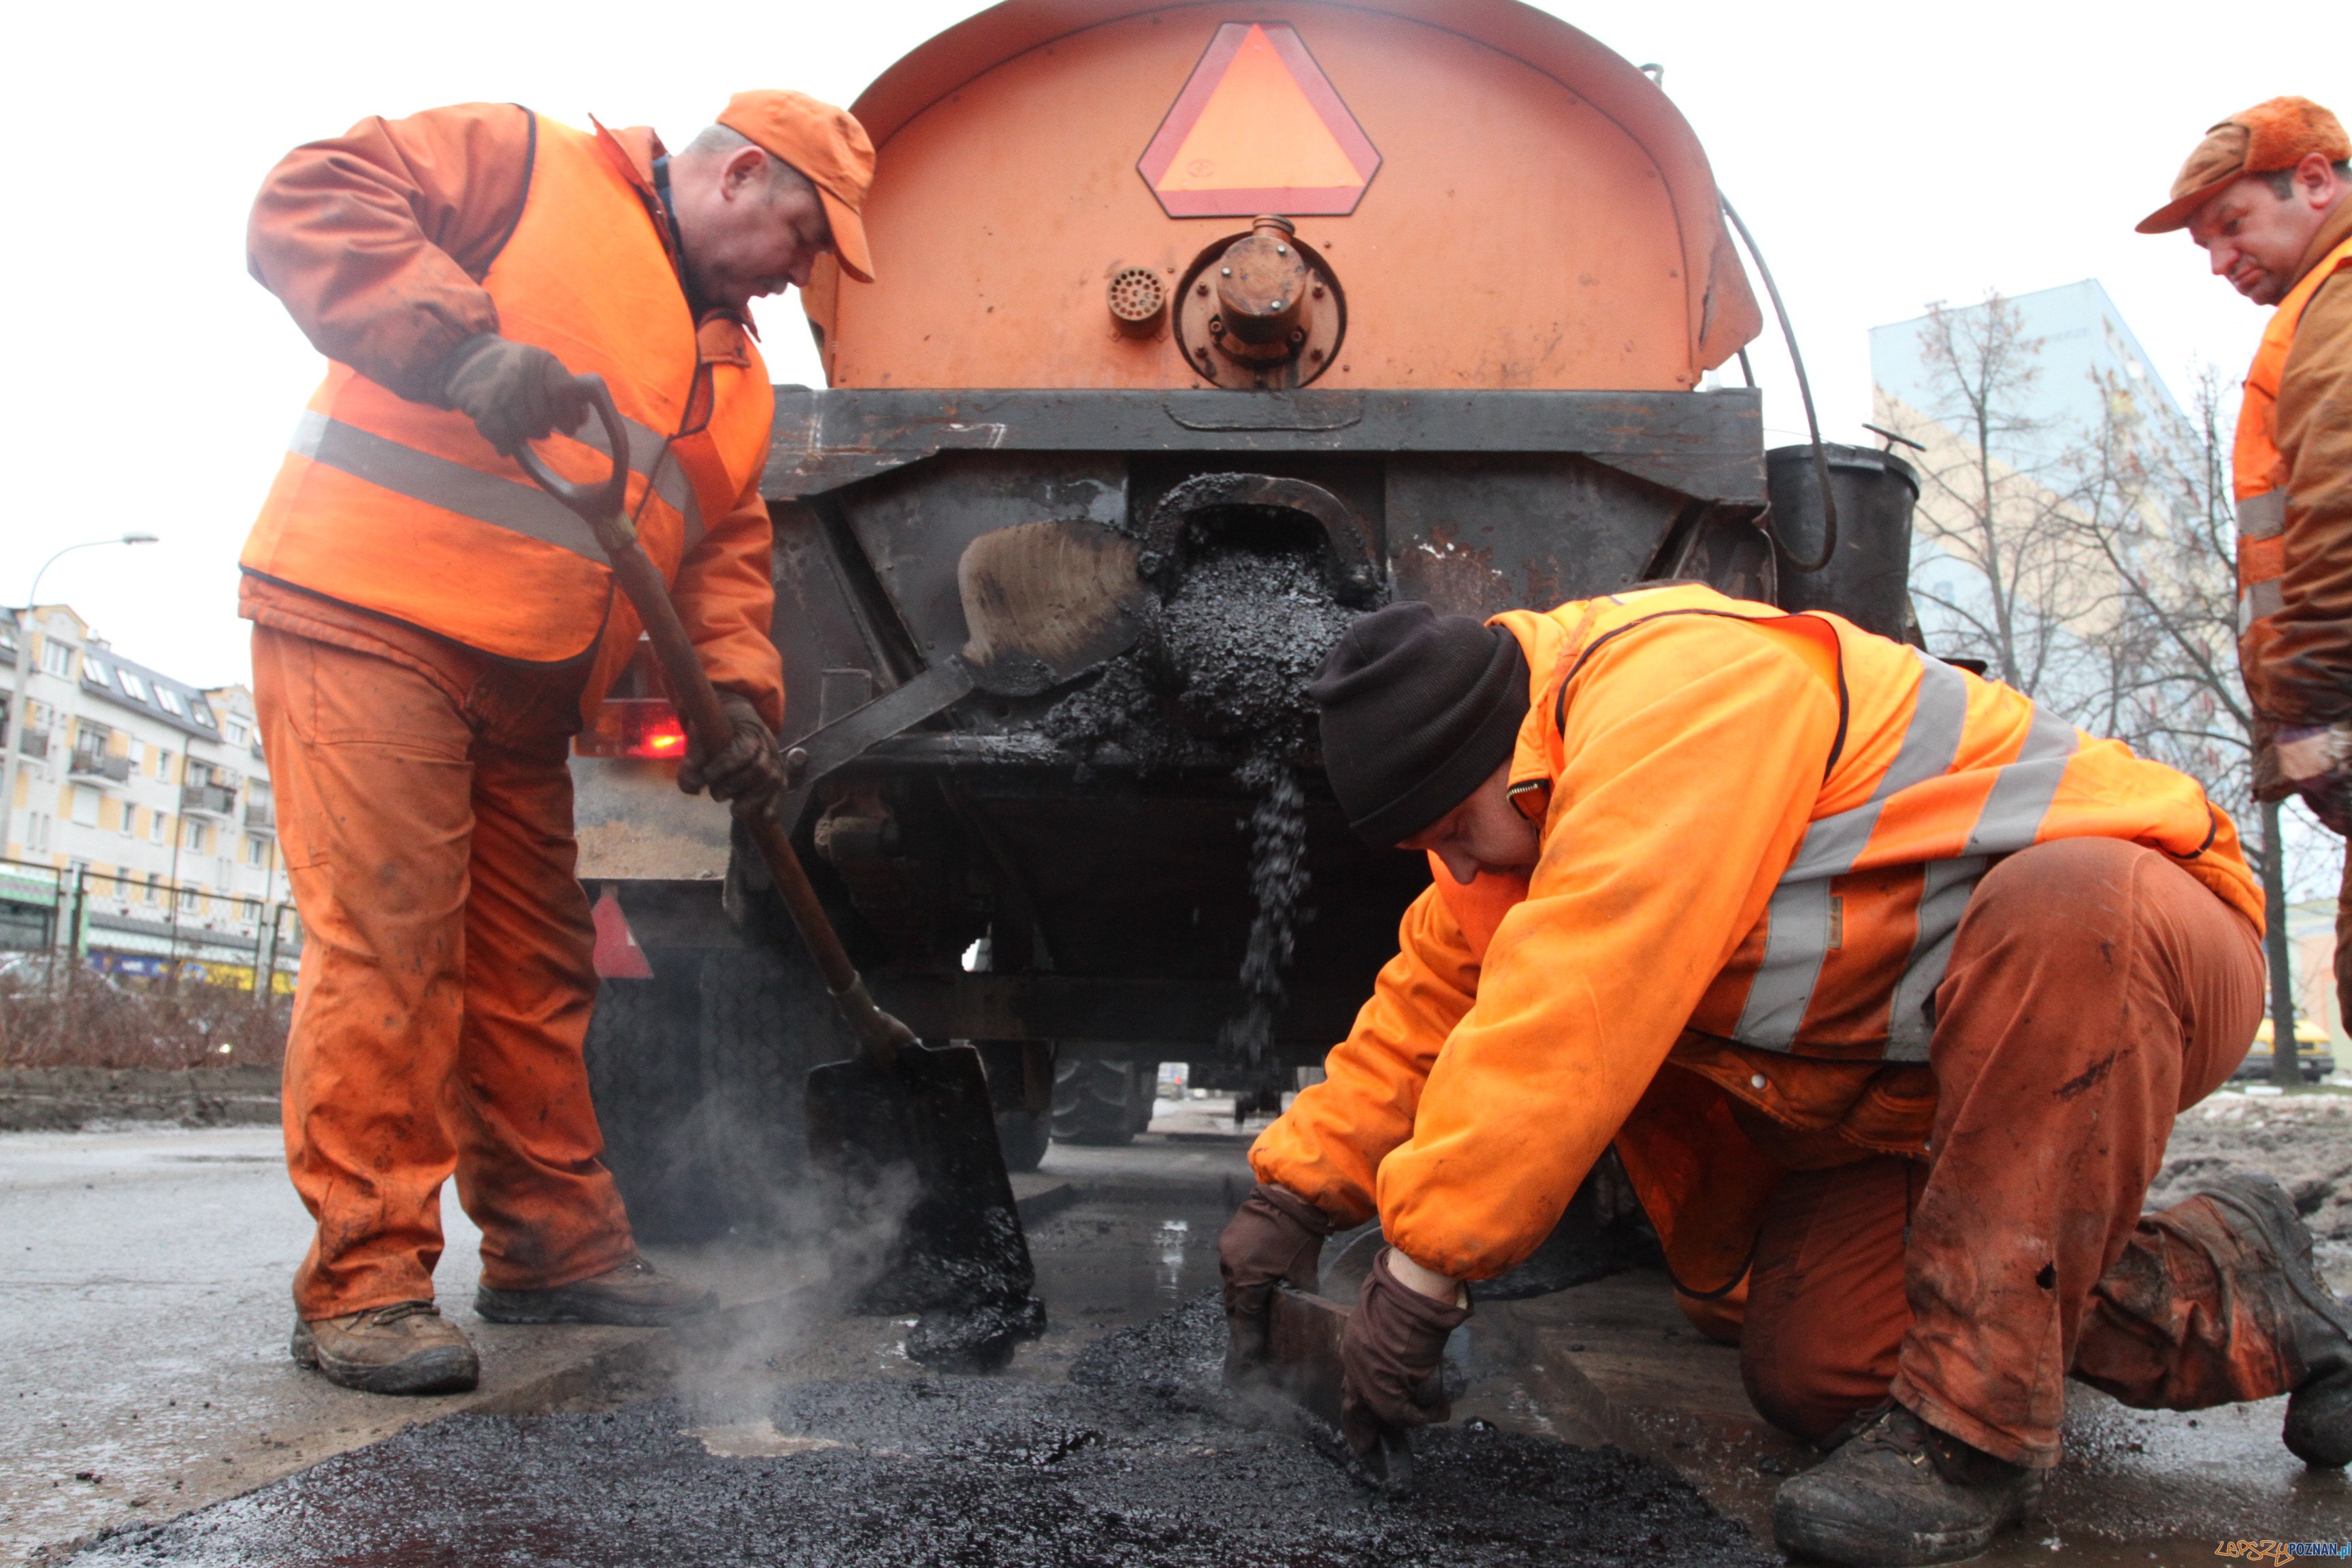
x=141, y=807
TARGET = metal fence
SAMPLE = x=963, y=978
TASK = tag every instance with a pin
x=148, y=929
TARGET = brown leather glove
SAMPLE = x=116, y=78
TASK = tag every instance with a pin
x=1275, y=1237
x=1389, y=1359
x=514, y=392
x=748, y=770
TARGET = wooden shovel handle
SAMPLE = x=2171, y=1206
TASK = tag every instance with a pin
x=879, y=1035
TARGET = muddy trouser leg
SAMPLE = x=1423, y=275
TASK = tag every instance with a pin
x=2094, y=990
x=1826, y=1313
x=368, y=761
x=531, y=1171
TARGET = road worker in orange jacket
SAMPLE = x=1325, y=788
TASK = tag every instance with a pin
x=1883, y=985
x=430, y=628
x=2268, y=195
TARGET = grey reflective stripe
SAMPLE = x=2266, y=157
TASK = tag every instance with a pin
x=2260, y=517
x=2258, y=600
x=2022, y=791
x=1796, y=945
x=670, y=481
x=436, y=481
x=523, y=509
x=1945, y=889
x=1796, y=951
x=1930, y=742
x=1797, y=922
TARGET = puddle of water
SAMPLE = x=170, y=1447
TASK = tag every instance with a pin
x=1172, y=1236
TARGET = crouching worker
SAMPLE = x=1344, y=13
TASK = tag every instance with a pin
x=1886, y=988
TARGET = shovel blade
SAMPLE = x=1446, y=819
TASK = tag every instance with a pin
x=925, y=1122
x=1302, y=1357
x=1045, y=602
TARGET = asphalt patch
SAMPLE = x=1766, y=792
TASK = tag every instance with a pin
x=1139, y=1461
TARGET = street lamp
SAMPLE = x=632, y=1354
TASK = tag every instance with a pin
x=15, y=741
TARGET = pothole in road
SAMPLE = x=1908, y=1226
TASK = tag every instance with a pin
x=1140, y=1460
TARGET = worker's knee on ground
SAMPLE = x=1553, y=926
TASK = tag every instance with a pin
x=1718, y=1318
x=1807, y=1379
x=1821, y=1344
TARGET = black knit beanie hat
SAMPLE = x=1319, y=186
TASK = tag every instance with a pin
x=1418, y=709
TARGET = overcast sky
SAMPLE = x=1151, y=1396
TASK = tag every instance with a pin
x=1885, y=156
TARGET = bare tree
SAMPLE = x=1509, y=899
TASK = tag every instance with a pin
x=2153, y=505
x=1986, y=504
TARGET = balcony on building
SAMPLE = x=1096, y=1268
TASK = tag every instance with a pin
x=212, y=800
x=260, y=813
x=90, y=761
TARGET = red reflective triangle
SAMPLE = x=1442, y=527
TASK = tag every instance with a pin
x=1258, y=129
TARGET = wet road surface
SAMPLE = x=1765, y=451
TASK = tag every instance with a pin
x=785, y=1432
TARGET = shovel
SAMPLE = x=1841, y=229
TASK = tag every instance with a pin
x=896, y=1106
x=1302, y=1361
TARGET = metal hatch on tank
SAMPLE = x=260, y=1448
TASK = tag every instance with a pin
x=1525, y=275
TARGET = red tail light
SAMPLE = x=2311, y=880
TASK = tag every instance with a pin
x=645, y=727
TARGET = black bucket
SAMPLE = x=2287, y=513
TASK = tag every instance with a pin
x=1867, y=581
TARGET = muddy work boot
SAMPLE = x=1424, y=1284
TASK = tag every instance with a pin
x=2312, y=1327
x=406, y=1348
x=635, y=1294
x=1900, y=1492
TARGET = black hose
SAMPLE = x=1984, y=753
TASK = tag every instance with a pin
x=1805, y=390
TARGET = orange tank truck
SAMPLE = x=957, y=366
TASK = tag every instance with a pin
x=1205, y=327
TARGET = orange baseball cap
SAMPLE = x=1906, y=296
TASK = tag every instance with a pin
x=2278, y=134
x=826, y=143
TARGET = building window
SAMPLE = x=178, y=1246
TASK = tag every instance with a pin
x=57, y=658
x=191, y=834
x=129, y=820
x=155, y=889
x=171, y=701
x=164, y=766
x=95, y=670
x=132, y=687
x=236, y=733
x=253, y=853
x=85, y=806
x=155, y=822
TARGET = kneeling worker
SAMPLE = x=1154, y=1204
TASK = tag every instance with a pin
x=1886, y=988
x=430, y=626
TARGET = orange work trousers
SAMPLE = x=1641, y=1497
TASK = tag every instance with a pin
x=2095, y=990
x=424, y=808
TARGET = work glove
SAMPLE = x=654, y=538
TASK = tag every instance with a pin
x=1274, y=1238
x=514, y=392
x=2316, y=760
x=748, y=770
x=1389, y=1359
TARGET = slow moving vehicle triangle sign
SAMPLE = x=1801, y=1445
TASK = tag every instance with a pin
x=1258, y=128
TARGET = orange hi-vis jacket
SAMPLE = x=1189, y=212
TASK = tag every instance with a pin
x=402, y=509
x=1759, y=834
x=2259, y=479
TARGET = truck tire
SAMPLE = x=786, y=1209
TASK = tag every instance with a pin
x=767, y=1019
x=698, y=1077
x=1094, y=1100
x=1024, y=1137
x=645, y=1077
